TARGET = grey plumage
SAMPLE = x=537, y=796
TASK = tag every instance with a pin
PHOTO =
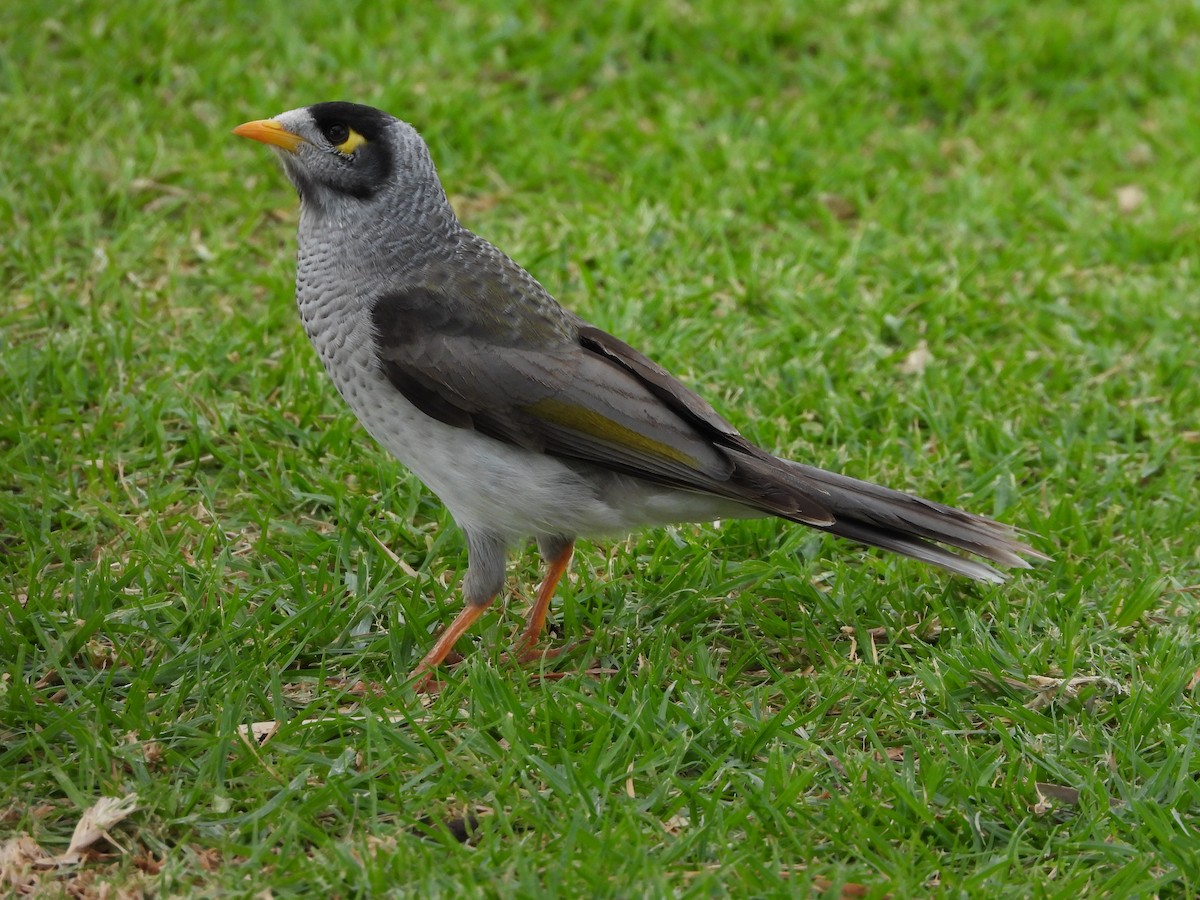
x=524, y=419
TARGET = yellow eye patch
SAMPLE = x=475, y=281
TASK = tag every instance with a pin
x=351, y=143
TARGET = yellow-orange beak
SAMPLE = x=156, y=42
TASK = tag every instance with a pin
x=268, y=131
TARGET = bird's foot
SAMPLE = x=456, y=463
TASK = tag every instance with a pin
x=529, y=653
x=422, y=681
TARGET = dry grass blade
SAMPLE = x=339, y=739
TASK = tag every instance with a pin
x=1050, y=794
x=258, y=733
x=22, y=856
x=18, y=857
x=94, y=824
x=1046, y=689
x=396, y=560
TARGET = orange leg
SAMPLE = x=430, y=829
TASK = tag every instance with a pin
x=535, y=621
x=423, y=673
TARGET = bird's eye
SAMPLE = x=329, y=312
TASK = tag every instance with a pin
x=336, y=133
x=345, y=139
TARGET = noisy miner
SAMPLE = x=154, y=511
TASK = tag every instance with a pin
x=523, y=418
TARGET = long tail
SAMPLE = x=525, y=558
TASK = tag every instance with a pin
x=892, y=520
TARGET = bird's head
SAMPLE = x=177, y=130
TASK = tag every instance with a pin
x=341, y=155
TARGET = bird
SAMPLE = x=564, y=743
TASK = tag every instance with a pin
x=527, y=421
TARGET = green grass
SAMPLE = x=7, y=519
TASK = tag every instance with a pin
x=780, y=202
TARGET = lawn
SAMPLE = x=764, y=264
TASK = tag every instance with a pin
x=946, y=246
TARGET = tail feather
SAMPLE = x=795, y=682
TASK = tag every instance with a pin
x=911, y=526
